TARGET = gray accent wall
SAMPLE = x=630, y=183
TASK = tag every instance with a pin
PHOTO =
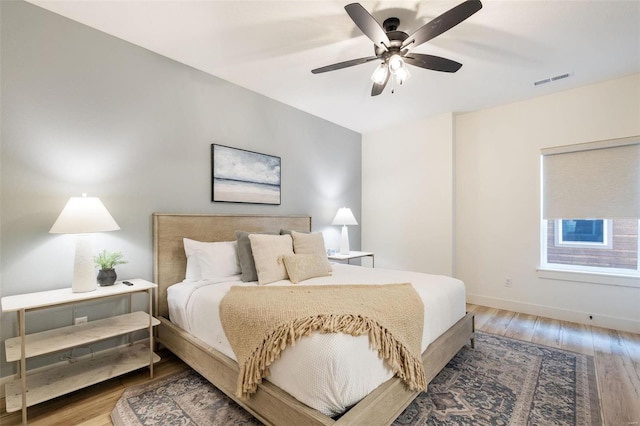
x=83, y=111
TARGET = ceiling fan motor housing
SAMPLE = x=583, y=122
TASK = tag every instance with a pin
x=391, y=24
x=395, y=37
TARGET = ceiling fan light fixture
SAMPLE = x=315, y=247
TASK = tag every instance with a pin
x=396, y=63
x=379, y=76
x=402, y=75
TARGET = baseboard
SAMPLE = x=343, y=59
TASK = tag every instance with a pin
x=604, y=321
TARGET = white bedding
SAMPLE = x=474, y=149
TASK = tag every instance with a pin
x=329, y=372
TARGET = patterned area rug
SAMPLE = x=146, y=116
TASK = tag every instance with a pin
x=500, y=382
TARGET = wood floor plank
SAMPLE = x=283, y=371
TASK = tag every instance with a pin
x=619, y=396
x=632, y=344
x=482, y=314
x=498, y=323
x=521, y=327
x=617, y=377
x=101, y=420
x=609, y=341
x=547, y=332
x=576, y=338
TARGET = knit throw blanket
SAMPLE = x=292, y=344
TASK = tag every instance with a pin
x=262, y=321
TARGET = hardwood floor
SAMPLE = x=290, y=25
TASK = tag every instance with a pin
x=616, y=355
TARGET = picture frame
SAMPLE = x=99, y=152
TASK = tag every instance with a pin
x=242, y=176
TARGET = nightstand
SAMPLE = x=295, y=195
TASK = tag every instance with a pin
x=354, y=255
x=60, y=379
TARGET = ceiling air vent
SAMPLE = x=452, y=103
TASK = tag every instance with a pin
x=550, y=79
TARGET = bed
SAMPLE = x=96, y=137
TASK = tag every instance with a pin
x=270, y=404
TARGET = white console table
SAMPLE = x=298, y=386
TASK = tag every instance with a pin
x=62, y=378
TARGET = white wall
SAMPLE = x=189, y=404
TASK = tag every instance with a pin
x=407, y=196
x=498, y=202
x=407, y=208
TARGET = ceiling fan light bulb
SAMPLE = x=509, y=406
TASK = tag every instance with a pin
x=395, y=63
x=402, y=75
x=380, y=74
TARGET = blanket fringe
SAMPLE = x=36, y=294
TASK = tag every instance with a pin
x=405, y=365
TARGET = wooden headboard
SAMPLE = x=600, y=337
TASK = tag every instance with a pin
x=169, y=260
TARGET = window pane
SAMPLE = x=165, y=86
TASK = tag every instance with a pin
x=583, y=230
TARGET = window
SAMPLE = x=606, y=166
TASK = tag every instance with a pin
x=587, y=233
x=591, y=207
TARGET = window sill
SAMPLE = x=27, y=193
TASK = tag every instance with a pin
x=618, y=280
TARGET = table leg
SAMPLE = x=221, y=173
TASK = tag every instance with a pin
x=23, y=363
x=150, y=292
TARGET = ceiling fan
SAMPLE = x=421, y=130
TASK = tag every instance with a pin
x=392, y=46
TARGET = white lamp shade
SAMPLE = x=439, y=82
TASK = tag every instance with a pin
x=344, y=217
x=83, y=215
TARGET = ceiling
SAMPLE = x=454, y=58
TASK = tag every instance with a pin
x=270, y=47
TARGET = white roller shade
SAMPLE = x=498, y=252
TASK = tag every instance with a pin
x=594, y=180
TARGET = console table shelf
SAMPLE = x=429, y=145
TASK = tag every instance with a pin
x=72, y=376
x=75, y=335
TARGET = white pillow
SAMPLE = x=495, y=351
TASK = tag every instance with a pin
x=268, y=254
x=193, y=267
x=211, y=260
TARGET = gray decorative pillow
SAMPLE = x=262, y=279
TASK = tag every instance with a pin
x=301, y=267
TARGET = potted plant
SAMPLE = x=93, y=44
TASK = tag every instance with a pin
x=107, y=262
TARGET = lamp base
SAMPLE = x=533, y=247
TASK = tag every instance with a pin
x=84, y=273
x=344, y=240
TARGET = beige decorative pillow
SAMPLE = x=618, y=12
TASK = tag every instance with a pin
x=301, y=267
x=313, y=243
x=268, y=252
x=245, y=256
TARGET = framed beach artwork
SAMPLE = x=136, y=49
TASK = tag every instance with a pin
x=240, y=176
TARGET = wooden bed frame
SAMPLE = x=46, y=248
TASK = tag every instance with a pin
x=270, y=404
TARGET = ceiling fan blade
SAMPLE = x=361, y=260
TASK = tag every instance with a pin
x=378, y=88
x=431, y=62
x=344, y=64
x=443, y=23
x=367, y=24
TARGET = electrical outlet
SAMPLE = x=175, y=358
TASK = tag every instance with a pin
x=508, y=282
x=81, y=320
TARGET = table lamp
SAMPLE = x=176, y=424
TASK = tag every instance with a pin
x=82, y=216
x=344, y=217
